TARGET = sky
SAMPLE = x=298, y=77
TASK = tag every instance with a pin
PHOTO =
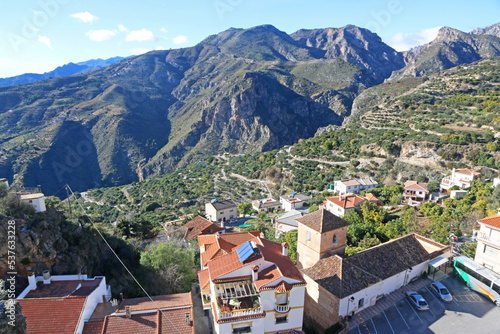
x=38, y=35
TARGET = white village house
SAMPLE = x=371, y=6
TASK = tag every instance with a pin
x=250, y=285
x=294, y=201
x=354, y=186
x=461, y=178
x=488, y=242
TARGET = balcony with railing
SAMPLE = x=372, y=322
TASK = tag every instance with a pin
x=282, y=308
x=237, y=299
x=489, y=240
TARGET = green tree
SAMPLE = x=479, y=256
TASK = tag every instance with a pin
x=3, y=190
x=433, y=186
x=492, y=146
x=172, y=258
x=291, y=239
x=244, y=208
x=313, y=208
x=469, y=249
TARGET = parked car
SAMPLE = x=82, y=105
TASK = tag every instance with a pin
x=441, y=291
x=417, y=301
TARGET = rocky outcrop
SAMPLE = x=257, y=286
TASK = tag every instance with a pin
x=493, y=30
x=12, y=321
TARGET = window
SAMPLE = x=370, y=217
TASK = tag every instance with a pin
x=334, y=239
x=246, y=329
x=231, y=210
x=282, y=298
x=361, y=303
x=211, y=231
x=491, y=251
x=496, y=288
x=308, y=236
x=222, y=212
x=281, y=319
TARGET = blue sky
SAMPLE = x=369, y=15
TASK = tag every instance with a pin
x=37, y=36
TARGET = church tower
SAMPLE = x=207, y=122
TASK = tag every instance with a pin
x=319, y=232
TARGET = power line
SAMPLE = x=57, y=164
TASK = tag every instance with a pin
x=116, y=255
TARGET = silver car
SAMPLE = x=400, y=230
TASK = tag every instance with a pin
x=441, y=291
x=417, y=301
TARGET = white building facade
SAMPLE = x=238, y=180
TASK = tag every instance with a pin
x=488, y=243
x=354, y=186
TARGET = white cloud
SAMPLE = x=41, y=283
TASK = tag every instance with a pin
x=163, y=29
x=181, y=39
x=45, y=40
x=100, y=35
x=85, y=17
x=406, y=41
x=140, y=36
x=122, y=27
x=160, y=48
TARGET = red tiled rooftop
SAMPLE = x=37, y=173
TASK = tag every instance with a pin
x=55, y=316
x=416, y=185
x=159, y=302
x=198, y=226
x=204, y=279
x=93, y=327
x=493, y=221
x=346, y=201
x=164, y=322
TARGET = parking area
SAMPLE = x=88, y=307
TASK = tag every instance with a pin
x=469, y=312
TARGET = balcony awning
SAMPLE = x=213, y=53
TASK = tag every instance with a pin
x=438, y=262
x=236, y=289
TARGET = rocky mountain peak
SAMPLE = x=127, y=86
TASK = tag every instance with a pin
x=491, y=30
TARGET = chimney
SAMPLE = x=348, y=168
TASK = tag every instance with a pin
x=31, y=280
x=217, y=235
x=255, y=270
x=285, y=248
x=498, y=211
x=128, y=312
x=46, y=277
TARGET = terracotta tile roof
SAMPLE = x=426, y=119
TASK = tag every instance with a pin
x=284, y=287
x=160, y=302
x=416, y=185
x=265, y=203
x=204, y=278
x=347, y=201
x=267, y=276
x=270, y=251
x=322, y=221
x=493, y=221
x=225, y=243
x=93, y=327
x=343, y=277
x=164, y=322
x=64, y=288
x=467, y=171
x=52, y=315
x=198, y=226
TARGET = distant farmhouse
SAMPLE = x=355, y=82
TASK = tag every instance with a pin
x=294, y=201
x=221, y=211
x=415, y=192
x=461, y=178
x=354, y=186
x=267, y=205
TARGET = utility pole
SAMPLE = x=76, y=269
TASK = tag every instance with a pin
x=69, y=203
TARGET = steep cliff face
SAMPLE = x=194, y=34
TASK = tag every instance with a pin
x=49, y=242
x=491, y=30
x=451, y=47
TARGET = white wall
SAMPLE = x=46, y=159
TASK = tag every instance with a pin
x=382, y=288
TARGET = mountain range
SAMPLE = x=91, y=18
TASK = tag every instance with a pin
x=61, y=71
x=238, y=91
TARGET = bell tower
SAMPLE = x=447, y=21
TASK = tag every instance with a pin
x=320, y=232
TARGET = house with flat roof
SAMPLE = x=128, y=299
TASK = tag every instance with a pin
x=61, y=303
x=294, y=201
x=267, y=205
x=36, y=200
x=163, y=314
x=461, y=178
x=339, y=205
x=488, y=242
x=415, y=192
x=253, y=287
x=221, y=211
x=354, y=186
x=286, y=222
